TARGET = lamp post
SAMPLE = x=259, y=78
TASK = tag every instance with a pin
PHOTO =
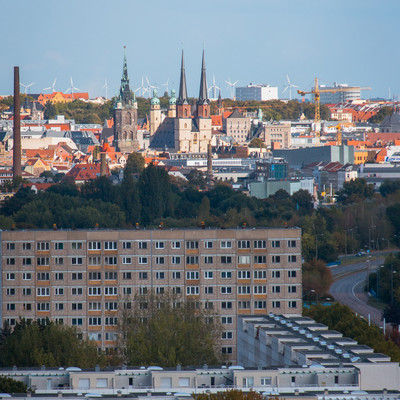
x=368, y=263
x=378, y=280
x=391, y=280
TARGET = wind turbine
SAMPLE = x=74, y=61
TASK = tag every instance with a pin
x=27, y=86
x=52, y=86
x=142, y=88
x=231, y=86
x=72, y=88
x=149, y=86
x=213, y=88
x=289, y=86
x=166, y=85
x=106, y=87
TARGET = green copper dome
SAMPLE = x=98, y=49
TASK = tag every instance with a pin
x=155, y=100
x=172, y=99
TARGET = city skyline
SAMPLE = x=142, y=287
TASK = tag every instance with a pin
x=260, y=43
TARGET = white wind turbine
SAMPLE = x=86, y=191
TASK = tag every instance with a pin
x=289, y=86
x=150, y=86
x=213, y=89
x=26, y=87
x=72, y=88
x=52, y=86
x=105, y=87
x=142, y=88
x=231, y=86
x=166, y=85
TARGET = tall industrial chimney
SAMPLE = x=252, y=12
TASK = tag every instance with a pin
x=103, y=164
x=17, y=127
x=209, y=163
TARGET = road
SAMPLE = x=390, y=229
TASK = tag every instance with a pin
x=348, y=288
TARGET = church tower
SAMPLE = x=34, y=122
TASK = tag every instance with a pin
x=183, y=107
x=125, y=116
x=155, y=113
x=203, y=104
x=172, y=105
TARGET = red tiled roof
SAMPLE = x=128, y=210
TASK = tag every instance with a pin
x=84, y=172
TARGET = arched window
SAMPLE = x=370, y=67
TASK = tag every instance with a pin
x=185, y=126
x=129, y=118
x=205, y=112
x=185, y=112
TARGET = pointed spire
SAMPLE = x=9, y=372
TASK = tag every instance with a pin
x=203, y=97
x=182, y=99
x=125, y=92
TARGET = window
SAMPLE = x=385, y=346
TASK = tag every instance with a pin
x=292, y=289
x=226, y=274
x=159, y=245
x=226, y=259
x=127, y=275
x=43, y=306
x=226, y=244
x=209, y=305
x=59, y=246
x=190, y=245
x=227, y=335
x=245, y=274
x=77, y=276
x=192, y=275
x=160, y=260
x=43, y=276
x=59, y=291
x=291, y=243
x=176, y=245
x=10, y=261
x=292, y=259
x=76, y=306
x=26, y=246
x=226, y=290
x=111, y=306
x=192, y=290
x=43, y=261
x=94, y=245
x=208, y=260
x=226, y=350
x=243, y=244
x=11, y=291
x=43, y=246
x=94, y=291
x=94, y=261
x=59, y=261
x=111, y=291
x=209, y=290
x=142, y=260
x=291, y=274
x=95, y=306
x=126, y=260
x=59, y=306
x=276, y=274
x=276, y=304
x=276, y=259
x=94, y=276
x=143, y=275
x=27, y=307
x=226, y=304
x=111, y=321
x=176, y=290
x=43, y=291
x=143, y=245
x=76, y=245
x=110, y=245
x=77, y=321
x=192, y=260
x=260, y=290
x=276, y=243
x=10, y=246
x=243, y=259
x=10, y=306
x=267, y=381
x=175, y=260
x=276, y=289
x=208, y=274
x=260, y=259
x=160, y=275
x=243, y=290
x=110, y=275
x=244, y=305
x=26, y=276
x=226, y=320
x=260, y=244
x=208, y=245
x=25, y=292
x=260, y=305
x=94, y=321
x=110, y=260
x=176, y=275
x=292, y=304
x=126, y=245
x=260, y=274
x=127, y=291
x=77, y=291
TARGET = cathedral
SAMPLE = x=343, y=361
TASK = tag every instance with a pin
x=125, y=117
x=185, y=128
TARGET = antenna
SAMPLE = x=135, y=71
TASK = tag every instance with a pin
x=105, y=87
x=289, y=86
x=27, y=86
x=231, y=86
x=52, y=86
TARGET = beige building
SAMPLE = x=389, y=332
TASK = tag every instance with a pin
x=81, y=278
x=237, y=126
x=277, y=134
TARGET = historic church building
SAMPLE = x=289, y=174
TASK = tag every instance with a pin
x=126, y=138
x=186, y=128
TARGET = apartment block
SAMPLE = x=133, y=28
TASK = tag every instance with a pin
x=83, y=278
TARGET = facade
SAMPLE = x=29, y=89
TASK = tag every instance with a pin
x=351, y=93
x=256, y=93
x=277, y=134
x=125, y=117
x=81, y=278
x=237, y=126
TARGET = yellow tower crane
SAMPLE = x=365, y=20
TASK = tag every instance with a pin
x=316, y=92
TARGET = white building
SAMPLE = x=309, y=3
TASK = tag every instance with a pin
x=351, y=93
x=256, y=92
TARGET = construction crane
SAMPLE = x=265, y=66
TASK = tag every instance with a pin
x=316, y=92
x=339, y=134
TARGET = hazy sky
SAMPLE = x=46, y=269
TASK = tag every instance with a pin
x=259, y=41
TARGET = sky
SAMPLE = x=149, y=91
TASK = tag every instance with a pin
x=253, y=41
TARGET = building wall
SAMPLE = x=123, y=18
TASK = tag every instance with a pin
x=80, y=278
x=257, y=93
x=277, y=133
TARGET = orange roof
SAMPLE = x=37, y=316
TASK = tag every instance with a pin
x=30, y=153
x=380, y=156
x=216, y=120
x=39, y=186
x=226, y=114
x=84, y=172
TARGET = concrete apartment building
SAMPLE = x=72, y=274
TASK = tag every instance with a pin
x=256, y=92
x=82, y=277
x=277, y=135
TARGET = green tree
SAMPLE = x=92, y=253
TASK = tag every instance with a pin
x=355, y=190
x=9, y=385
x=167, y=330
x=257, y=142
x=232, y=394
x=380, y=115
x=317, y=278
x=135, y=164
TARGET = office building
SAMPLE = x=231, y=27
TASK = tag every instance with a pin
x=351, y=93
x=256, y=93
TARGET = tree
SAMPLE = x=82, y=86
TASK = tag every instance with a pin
x=317, y=278
x=196, y=178
x=232, y=394
x=355, y=190
x=9, y=385
x=167, y=330
x=257, y=142
x=135, y=164
x=381, y=115
x=389, y=187
x=392, y=313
